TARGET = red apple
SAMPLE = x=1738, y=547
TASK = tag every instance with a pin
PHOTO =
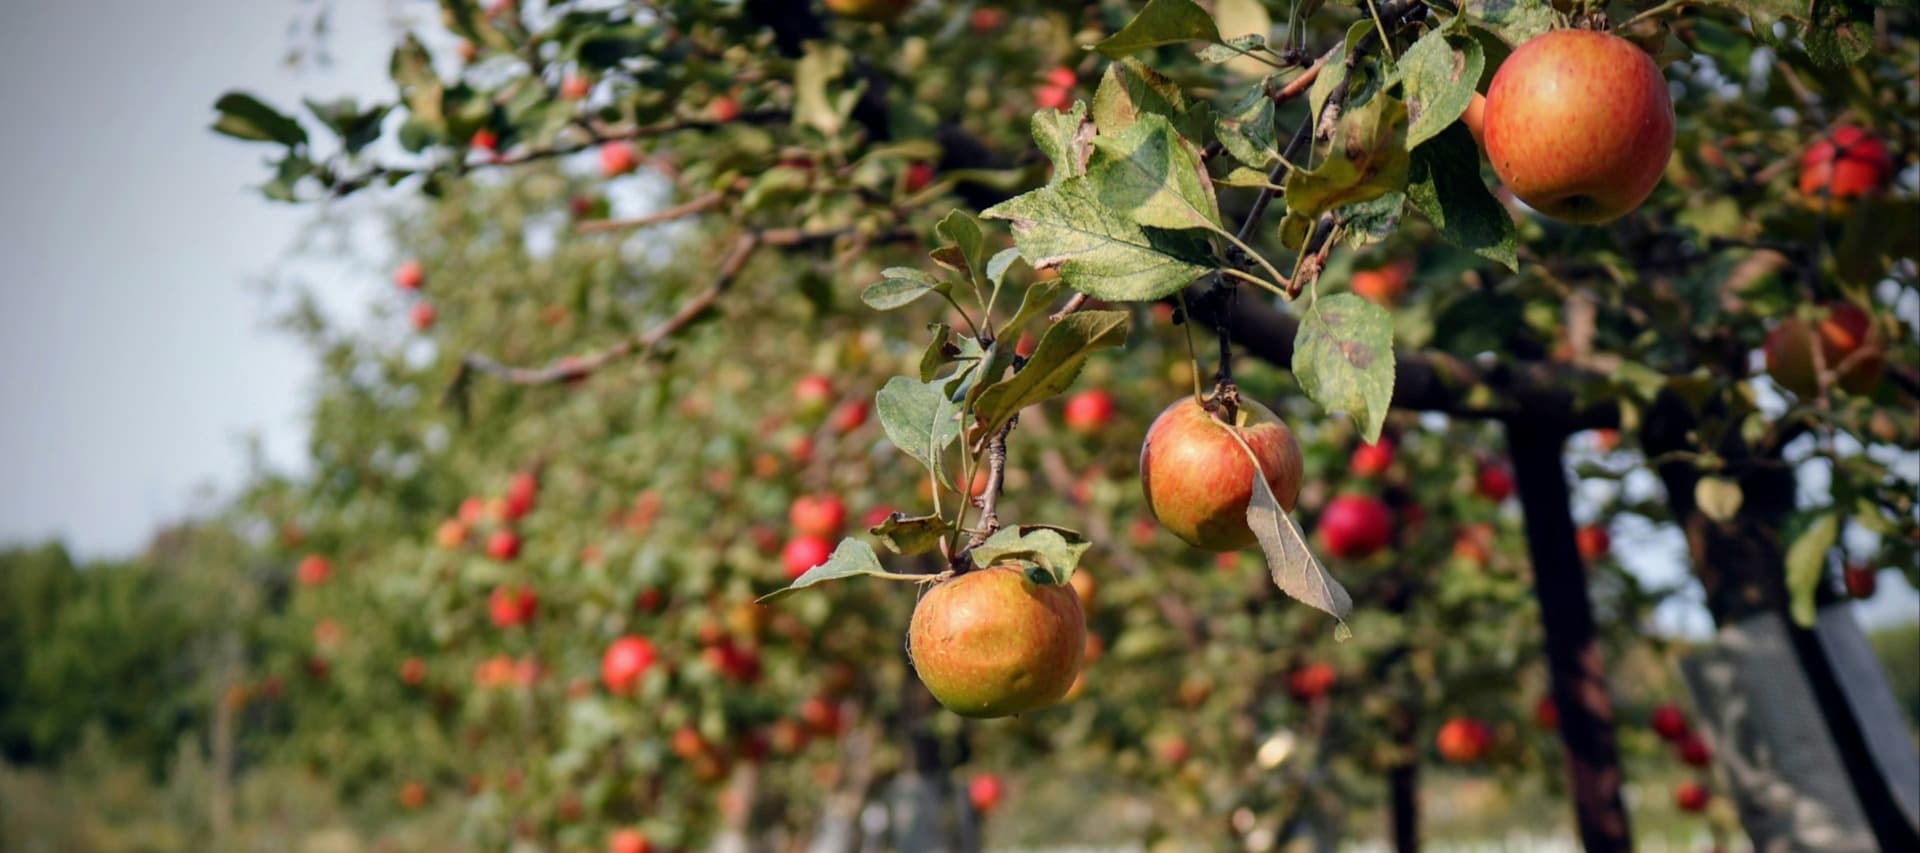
x=1593, y=542
x=628, y=840
x=850, y=416
x=1198, y=477
x=313, y=570
x=1579, y=125
x=821, y=716
x=817, y=515
x=1355, y=526
x=1312, y=681
x=1669, y=722
x=512, y=606
x=1494, y=482
x=410, y=275
x=1475, y=118
x=1371, y=460
x=919, y=176
x=503, y=545
x=473, y=510
x=1546, y=715
x=522, y=489
x=1844, y=331
x=575, y=87
x=413, y=671
x=413, y=796
x=625, y=662
x=1088, y=411
x=985, y=791
x=805, y=552
x=617, y=158
x=1463, y=740
x=1847, y=162
x=813, y=392
x=993, y=642
x=1861, y=582
x=486, y=140
x=1383, y=285
x=422, y=316
x=1690, y=797
x=1174, y=751
x=1693, y=751
x=723, y=109
x=452, y=534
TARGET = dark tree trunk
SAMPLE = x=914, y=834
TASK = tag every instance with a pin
x=1573, y=648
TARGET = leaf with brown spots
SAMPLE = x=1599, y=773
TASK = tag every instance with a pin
x=1438, y=75
x=1343, y=359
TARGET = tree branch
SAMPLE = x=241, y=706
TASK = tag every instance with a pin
x=686, y=208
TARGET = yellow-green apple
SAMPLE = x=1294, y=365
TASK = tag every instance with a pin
x=997, y=641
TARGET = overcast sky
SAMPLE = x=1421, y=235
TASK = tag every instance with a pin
x=135, y=355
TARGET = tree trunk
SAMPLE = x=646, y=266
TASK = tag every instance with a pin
x=1573, y=649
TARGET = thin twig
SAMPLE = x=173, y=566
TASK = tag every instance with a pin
x=990, y=499
x=683, y=209
x=1074, y=304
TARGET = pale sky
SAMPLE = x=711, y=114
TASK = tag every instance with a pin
x=136, y=359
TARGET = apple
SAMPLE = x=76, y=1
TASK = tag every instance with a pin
x=1579, y=125
x=1063, y=76
x=986, y=19
x=732, y=661
x=575, y=87
x=413, y=671
x=522, y=489
x=503, y=545
x=1198, y=477
x=813, y=392
x=1371, y=460
x=473, y=510
x=850, y=416
x=997, y=641
x=313, y=570
x=1471, y=545
x=451, y=534
x=1669, y=722
x=1546, y=715
x=1847, y=162
x=1085, y=586
x=1690, y=797
x=1494, y=482
x=1312, y=681
x=723, y=109
x=919, y=176
x=413, y=796
x=817, y=515
x=410, y=275
x=511, y=607
x=805, y=552
x=881, y=11
x=1353, y=526
x=326, y=634
x=628, y=840
x=486, y=140
x=1057, y=92
x=1844, y=330
x=616, y=159
x=1089, y=411
x=1174, y=751
x=1463, y=740
x=1861, y=582
x=1605, y=440
x=821, y=716
x=1593, y=541
x=466, y=51
x=1024, y=346
x=422, y=316
x=625, y=662
x=1475, y=118
x=985, y=792
x=1694, y=751
x=1383, y=285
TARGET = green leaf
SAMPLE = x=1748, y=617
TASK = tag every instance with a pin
x=899, y=287
x=420, y=86
x=1100, y=251
x=919, y=420
x=1366, y=160
x=1343, y=359
x=1232, y=48
x=1806, y=565
x=1056, y=360
x=1438, y=75
x=1056, y=549
x=1372, y=221
x=356, y=128
x=1067, y=140
x=1718, y=498
x=853, y=557
x=1246, y=130
x=1154, y=175
x=998, y=265
x=243, y=116
x=1841, y=32
x=813, y=104
x=963, y=232
x=1130, y=90
x=936, y=352
x=917, y=535
x=1161, y=22
x=1444, y=184
x=1035, y=302
x=1290, y=562
x=1514, y=21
